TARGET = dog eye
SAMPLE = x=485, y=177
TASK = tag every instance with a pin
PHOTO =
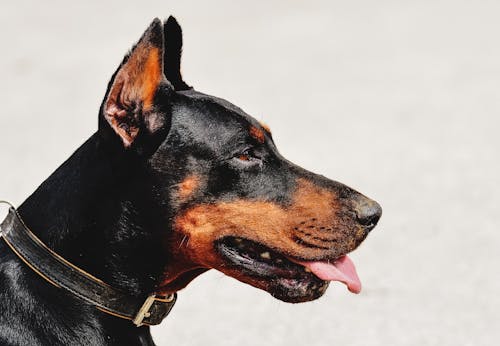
x=247, y=155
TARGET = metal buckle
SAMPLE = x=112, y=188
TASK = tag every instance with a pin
x=144, y=310
x=10, y=206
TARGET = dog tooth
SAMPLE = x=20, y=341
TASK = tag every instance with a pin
x=265, y=255
x=307, y=270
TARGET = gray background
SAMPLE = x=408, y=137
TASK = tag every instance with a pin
x=398, y=99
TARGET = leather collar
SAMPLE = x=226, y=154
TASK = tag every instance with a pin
x=64, y=275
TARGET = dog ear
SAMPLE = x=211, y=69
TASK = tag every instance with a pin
x=129, y=104
x=172, y=55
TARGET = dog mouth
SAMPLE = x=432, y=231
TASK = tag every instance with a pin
x=286, y=278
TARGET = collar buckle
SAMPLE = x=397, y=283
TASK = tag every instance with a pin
x=144, y=311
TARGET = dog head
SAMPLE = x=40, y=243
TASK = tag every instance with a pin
x=224, y=197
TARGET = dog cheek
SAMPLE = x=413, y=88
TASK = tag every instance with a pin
x=195, y=238
x=188, y=187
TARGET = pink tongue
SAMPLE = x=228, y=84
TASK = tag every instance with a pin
x=342, y=270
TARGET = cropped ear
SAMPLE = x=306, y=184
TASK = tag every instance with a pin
x=172, y=55
x=129, y=104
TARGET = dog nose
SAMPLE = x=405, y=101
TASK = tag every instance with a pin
x=368, y=212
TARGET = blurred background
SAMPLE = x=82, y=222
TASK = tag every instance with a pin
x=398, y=99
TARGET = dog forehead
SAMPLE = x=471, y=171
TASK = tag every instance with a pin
x=214, y=122
x=214, y=108
x=197, y=95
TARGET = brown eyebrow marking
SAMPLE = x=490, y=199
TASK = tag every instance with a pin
x=257, y=133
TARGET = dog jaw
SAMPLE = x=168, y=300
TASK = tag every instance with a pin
x=315, y=226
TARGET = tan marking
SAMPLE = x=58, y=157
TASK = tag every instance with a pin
x=142, y=74
x=151, y=78
x=191, y=245
x=135, y=84
x=266, y=223
x=188, y=186
x=257, y=133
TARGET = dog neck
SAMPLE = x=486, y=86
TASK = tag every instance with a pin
x=94, y=211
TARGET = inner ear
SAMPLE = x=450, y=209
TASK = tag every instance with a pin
x=172, y=54
x=129, y=105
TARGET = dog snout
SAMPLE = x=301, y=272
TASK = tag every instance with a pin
x=367, y=211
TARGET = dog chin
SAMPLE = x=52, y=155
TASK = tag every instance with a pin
x=295, y=291
x=285, y=289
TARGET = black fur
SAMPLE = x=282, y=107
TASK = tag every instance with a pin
x=173, y=51
x=109, y=209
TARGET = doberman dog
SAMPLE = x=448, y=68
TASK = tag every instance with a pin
x=173, y=183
